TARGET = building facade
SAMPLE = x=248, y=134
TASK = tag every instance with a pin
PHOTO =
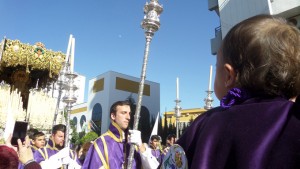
x=232, y=12
x=78, y=116
x=108, y=88
x=186, y=118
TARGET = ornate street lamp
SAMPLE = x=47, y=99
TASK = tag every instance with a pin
x=62, y=79
x=177, y=115
x=208, y=100
x=60, y=84
x=150, y=24
x=69, y=99
x=177, y=108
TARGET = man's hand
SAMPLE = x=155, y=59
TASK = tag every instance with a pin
x=135, y=137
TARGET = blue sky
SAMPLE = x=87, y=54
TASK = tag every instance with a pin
x=109, y=37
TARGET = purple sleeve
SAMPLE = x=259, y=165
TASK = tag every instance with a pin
x=92, y=159
x=38, y=156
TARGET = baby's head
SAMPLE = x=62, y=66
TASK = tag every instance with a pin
x=262, y=55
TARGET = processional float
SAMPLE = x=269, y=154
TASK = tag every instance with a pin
x=29, y=77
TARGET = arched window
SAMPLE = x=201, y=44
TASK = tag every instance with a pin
x=96, y=118
x=75, y=121
x=97, y=112
x=82, y=120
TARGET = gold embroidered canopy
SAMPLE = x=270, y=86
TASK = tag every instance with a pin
x=32, y=57
x=25, y=66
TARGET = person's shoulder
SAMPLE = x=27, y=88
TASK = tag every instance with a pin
x=213, y=111
x=208, y=114
x=39, y=155
x=250, y=108
x=40, y=151
x=99, y=141
x=50, y=150
x=259, y=104
x=217, y=115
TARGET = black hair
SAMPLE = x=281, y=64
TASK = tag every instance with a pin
x=31, y=132
x=155, y=137
x=37, y=134
x=59, y=127
x=113, y=108
x=171, y=136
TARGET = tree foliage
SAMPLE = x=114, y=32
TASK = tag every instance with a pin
x=90, y=136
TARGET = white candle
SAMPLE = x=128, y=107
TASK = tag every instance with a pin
x=72, y=56
x=177, y=88
x=210, y=76
x=68, y=49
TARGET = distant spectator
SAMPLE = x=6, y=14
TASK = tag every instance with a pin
x=77, y=149
x=156, y=149
x=82, y=152
x=170, y=140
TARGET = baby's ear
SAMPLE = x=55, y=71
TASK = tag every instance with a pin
x=230, y=76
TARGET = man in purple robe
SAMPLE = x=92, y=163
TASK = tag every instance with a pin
x=111, y=149
x=54, y=155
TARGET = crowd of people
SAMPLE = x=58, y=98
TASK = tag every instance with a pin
x=256, y=125
x=109, y=150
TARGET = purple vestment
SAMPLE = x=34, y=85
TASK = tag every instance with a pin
x=114, y=157
x=158, y=155
x=259, y=133
x=34, y=149
x=47, y=152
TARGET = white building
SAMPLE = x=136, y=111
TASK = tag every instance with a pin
x=233, y=11
x=80, y=83
x=78, y=115
x=110, y=87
